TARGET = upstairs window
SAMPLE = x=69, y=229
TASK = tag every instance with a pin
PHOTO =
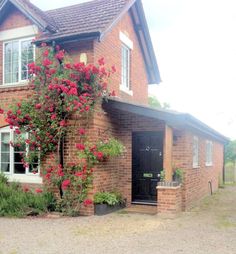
x=209, y=153
x=17, y=55
x=125, y=73
x=195, y=152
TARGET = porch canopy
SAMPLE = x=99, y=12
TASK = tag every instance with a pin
x=171, y=118
x=172, y=121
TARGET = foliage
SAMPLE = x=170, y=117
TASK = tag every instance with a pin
x=155, y=103
x=18, y=202
x=178, y=175
x=60, y=90
x=110, y=198
x=110, y=148
x=162, y=175
x=230, y=152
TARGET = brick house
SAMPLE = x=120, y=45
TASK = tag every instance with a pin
x=154, y=139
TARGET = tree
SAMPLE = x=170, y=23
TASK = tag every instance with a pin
x=230, y=152
x=155, y=103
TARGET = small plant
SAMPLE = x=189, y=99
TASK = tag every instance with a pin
x=162, y=175
x=110, y=148
x=109, y=198
x=178, y=175
x=16, y=201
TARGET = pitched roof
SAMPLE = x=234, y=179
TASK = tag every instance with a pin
x=35, y=14
x=173, y=118
x=89, y=20
x=88, y=17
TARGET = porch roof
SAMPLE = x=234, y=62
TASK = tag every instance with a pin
x=170, y=117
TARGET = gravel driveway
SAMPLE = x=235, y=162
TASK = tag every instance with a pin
x=209, y=228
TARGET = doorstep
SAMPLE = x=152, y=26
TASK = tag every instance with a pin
x=141, y=208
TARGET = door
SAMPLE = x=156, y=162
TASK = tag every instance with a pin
x=147, y=163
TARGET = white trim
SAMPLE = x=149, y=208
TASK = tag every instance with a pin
x=25, y=178
x=209, y=153
x=196, y=143
x=16, y=33
x=126, y=90
x=125, y=39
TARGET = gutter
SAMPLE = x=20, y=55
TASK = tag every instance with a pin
x=69, y=38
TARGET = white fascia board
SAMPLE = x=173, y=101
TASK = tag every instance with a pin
x=21, y=32
x=126, y=40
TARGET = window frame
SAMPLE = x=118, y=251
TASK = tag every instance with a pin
x=209, y=153
x=19, y=40
x=28, y=176
x=126, y=85
x=195, y=164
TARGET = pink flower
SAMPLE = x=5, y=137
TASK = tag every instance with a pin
x=53, y=116
x=46, y=53
x=38, y=190
x=17, y=131
x=80, y=147
x=65, y=184
x=82, y=131
x=62, y=123
x=38, y=106
x=88, y=202
x=1, y=111
x=26, y=189
x=60, y=172
x=79, y=174
x=101, y=61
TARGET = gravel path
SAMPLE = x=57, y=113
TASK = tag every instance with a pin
x=209, y=228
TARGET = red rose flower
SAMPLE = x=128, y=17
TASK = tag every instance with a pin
x=38, y=190
x=88, y=202
x=38, y=106
x=65, y=184
x=62, y=123
x=80, y=147
x=82, y=132
x=1, y=111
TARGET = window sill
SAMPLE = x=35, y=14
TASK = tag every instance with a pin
x=125, y=90
x=14, y=85
x=25, y=178
x=196, y=167
x=208, y=165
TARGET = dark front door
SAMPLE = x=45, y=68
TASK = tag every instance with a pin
x=147, y=163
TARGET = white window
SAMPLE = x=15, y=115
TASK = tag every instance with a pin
x=125, y=72
x=195, y=152
x=209, y=153
x=17, y=55
x=11, y=158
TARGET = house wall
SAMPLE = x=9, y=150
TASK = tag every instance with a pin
x=196, y=180
x=110, y=49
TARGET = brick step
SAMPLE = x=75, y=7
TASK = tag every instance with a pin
x=145, y=209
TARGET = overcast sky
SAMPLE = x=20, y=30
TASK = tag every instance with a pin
x=195, y=44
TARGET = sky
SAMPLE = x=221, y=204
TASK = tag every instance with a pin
x=195, y=46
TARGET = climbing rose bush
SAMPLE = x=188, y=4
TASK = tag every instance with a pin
x=60, y=89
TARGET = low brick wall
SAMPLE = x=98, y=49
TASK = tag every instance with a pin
x=169, y=199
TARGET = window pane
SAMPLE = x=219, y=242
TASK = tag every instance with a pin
x=125, y=66
x=27, y=56
x=11, y=62
x=19, y=168
x=5, y=157
x=5, y=167
x=5, y=142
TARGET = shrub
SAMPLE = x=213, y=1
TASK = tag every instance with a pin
x=15, y=202
x=110, y=198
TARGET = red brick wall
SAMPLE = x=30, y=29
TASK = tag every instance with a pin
x=196, y=180
x=110, y=48
x=169, y=199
